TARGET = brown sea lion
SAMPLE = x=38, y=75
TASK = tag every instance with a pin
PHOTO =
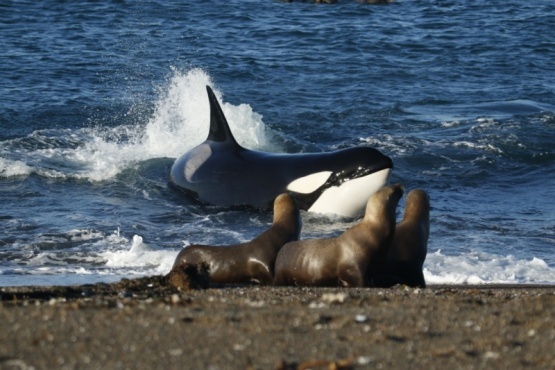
x=250, y=262
x=403, y=264
x=344, y=260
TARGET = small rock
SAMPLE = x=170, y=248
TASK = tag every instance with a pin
x=334, y=297
x=361, y=318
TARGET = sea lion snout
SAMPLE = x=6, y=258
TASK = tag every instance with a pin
x=397, y=190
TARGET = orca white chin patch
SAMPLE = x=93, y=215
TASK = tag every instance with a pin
x=308, y=184
x=349, y=199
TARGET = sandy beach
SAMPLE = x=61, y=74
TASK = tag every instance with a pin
x=145, y=323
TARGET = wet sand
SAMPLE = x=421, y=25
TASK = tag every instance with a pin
x=147, y=324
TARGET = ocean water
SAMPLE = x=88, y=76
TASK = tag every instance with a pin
x=98, y=98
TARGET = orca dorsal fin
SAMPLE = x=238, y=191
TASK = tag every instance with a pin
x=219, y=128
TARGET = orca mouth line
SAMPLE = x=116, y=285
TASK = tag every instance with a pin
x=340, y=177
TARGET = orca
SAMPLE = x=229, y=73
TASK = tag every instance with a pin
x=223, y=173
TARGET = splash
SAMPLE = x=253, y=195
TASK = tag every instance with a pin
x=179, y=123
x=173, y=118
x=140, y=259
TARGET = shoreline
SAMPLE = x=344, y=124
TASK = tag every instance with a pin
x=143, y=323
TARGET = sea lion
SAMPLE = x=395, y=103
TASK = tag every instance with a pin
x=344, y=260
x=250, y=262
x=221, y=172
x=403, y=264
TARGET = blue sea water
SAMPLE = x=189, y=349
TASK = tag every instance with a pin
x=98, y=98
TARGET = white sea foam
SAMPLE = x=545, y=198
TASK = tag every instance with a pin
x=140, y=258
x=137, y=258
x=485, y=268
x=449, y=124
x=82, y=235
x=13, y=168
x=400, y=146
x=487, y=147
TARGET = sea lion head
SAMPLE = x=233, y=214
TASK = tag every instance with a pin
x=417, y=205
x=383, y=203
x=286, y=213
